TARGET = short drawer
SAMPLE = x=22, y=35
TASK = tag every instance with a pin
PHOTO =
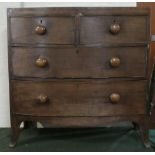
x=84, y=63
x=42, y=30
x=79, y=98
x=113, y=29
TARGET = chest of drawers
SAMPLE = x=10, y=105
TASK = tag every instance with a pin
x=78, y=67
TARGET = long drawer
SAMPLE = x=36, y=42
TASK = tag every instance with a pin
x=79, y=97
x=84, y=63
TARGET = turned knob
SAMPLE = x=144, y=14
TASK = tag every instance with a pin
x=115, y=98
x=42, y=98
x=115, y=62
x=115, y=28
x=40, y=30
x=41, y=62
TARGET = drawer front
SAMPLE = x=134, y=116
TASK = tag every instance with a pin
x=113, y=29
x=79, y=98
x=85, y=63
x=45, y=30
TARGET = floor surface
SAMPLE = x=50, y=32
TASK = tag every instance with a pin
x=122, y=139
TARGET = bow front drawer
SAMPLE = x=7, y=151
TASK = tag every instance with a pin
x=79, y=98
x=85, y=63
x=43, y=30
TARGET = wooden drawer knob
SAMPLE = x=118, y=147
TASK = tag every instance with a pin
x=41, y=62
x=115, y=62
x=115, y=98
x=115, y=28
x=42, y=98
x=40, y=30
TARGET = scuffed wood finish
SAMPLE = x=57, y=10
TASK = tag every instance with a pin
x=65, y=11
x=84, y=63
x=79, y=98
x=78, y=67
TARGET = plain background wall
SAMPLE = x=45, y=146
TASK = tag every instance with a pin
x=4, y=85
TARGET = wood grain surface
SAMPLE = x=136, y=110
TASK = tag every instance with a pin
x=79, y=98
x=84, y=63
